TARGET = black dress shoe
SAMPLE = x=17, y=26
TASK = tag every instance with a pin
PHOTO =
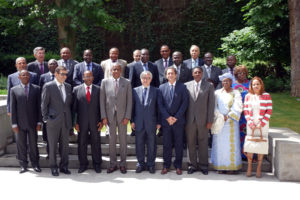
x=23, y=170
x=64, y=170
x=139, y=169
x=97, y=169
x=123, y=170
x=37, y=169
x=82, y=169
x=204, y=171
x=151, y=170
x=191, y=170
x=54, y=172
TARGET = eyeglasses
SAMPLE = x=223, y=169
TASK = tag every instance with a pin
x=146, y=78
x=63, y=74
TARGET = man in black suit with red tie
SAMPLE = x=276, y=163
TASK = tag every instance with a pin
x=86, y=98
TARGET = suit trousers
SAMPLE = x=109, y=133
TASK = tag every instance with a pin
x=58, y=134
x=122, y=133
x=145, y=137
x=22, y=146
x=45, y=136
x=173, y=134
x=83, y=137
x=197, y=134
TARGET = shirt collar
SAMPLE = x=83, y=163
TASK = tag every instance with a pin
x=23, y=86
x=58, y=83
x=195, y=82
x=91, y=63
x=172, y=84
x=206, y=66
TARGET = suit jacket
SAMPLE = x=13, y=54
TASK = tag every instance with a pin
x=80, y=68
x=54, y=109
x=161, y=69
x=35, y=67
x=176, y=107
x=88, y=114
x=185, y=74
x=146, y=116
x=127, y=69
x=25, y=112
x=106, y=67
x=137, y=69
x=45, y=78
x=13, y=80
x=70, y=67
x=214, y=76
x=201, y=108
x=120, y=102
x=188, y=62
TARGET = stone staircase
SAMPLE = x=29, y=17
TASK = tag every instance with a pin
x=9, y=158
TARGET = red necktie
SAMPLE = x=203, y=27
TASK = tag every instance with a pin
x=88, y=94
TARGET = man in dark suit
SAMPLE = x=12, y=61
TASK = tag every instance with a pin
x=145, y=121
x=26, y=120
x=45, y=78
x=144, y=65
x=211, y=73
x=86, y=98
x=184, y=74
x=56, y=112
x=39, y=66
x=87, y=64
x=116, y=108
x=68, y=63
x=13, y=79
x=164, y=62
x=194, y=61
x=173, y=107
x=136, y=58
x=199, y=119
x=230, y=62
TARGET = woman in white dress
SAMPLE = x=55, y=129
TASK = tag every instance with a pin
x=226, y=151
x=257, y=110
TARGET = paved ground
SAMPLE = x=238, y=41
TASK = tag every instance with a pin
x=90, y=185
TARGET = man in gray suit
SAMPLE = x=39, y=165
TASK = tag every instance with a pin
x=194, y=61
x=56, y=112
x=163, y=63
x=145, y=121
x=199, y=118
x=39, y=66
x=13, y=79
x=116, y=108
x=230, y=62
x=184, y=74
x=68, y=63
x=211, y=73
x=86, y=98
x=26, y=120
x=136, y=58
x=113, y=58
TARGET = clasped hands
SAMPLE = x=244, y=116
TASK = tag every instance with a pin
x=171, y=120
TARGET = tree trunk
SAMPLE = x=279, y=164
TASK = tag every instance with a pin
x=294, y=15
x=66, y=34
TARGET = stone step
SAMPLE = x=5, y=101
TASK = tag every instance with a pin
x=9, y=160
x=73, y=149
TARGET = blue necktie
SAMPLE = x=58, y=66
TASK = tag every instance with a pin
x=144, y=95
x=145, y=67
x=172, y=92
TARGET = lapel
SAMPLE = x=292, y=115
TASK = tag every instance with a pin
x=202, y=88
x=150, y=96
x=140, y=94
x=192, y=90
x=83, y=93
x=58, y=92
x=93, y=95
x=121, y=85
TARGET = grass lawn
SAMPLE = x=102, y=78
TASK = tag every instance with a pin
x=3, y=91
x=286, y=111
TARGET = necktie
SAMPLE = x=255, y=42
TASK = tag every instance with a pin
x=145, y=67
x=66, y=64
x=197, y=91
x=172, y=92
x=41, y=68
x=231, y=71
x=166, y=63
x=208, y=71
x=116, y=86
x=52, y=77
x=144, y=95
x=26, y=90
x=193, y=64
x=61, y=92
x=88, y=94
x=90, y=67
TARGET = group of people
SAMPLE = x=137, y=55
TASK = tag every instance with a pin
x=185, y=101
